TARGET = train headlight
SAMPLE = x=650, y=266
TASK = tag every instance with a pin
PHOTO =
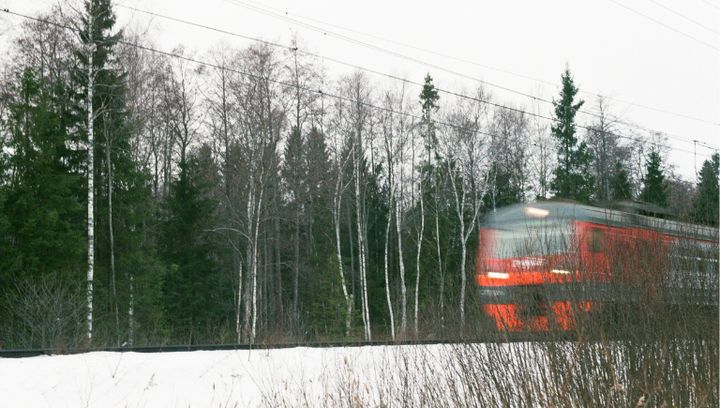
x=498, y=275
x=536, y=212
x=560, y=271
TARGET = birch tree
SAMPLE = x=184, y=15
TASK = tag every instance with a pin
x=260, y=125
x=341, y=163
x=464, y=152
x=354, y=122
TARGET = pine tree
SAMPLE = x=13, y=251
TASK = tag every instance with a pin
x=572, y=177
x=654, y=186
x=705, y=205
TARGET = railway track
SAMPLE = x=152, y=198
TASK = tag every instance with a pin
x=493, y=338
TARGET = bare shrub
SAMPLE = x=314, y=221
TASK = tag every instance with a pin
x=43, y=313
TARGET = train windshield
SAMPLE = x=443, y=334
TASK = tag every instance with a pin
x=531, y=239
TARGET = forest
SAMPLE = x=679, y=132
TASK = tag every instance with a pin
x=244, y=195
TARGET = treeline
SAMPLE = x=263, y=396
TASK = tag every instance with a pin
x=254, y=198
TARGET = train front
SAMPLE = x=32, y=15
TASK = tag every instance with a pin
x=526, y=261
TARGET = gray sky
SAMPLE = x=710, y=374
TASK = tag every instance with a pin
x=610, y=49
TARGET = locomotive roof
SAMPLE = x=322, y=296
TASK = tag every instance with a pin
x=559, y=210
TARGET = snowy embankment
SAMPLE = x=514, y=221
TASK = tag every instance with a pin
x=196, y=379
x=670, y=372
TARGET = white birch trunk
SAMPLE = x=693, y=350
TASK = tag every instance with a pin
x=440, y=268
x=131, y=312
x=359, y=209
x=417, y=259
x=254, y=264
x=403, y=287
x=387, y=280
x=91, y=184
x=337, y=200
x=238, y=331
x=247, y=316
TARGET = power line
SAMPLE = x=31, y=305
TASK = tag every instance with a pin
x=711, y=4
x=657, y=3
x=318, y=91
x=261, y=10
x=346, y=38
x=542, y=81
x=656, y=21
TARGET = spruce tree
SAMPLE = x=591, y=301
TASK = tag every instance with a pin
x=620, y=188
x=654, y=185
x=126, y=268
x=705, y=205
x=429, y=98
x=294, y=173
x=572, y=177
x=191, y=288
x=42, y=204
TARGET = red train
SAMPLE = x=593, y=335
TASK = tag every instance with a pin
x=539, y=266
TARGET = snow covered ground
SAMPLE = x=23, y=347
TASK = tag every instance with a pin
x=237, y=378
x=527, y=374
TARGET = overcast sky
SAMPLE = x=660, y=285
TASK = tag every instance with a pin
x=662, y=54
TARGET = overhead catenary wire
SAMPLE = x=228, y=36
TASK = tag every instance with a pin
x=344, y=37
x=534, y=98
x=711, y=4
x=306, y=89
x=684, y=17
x=405, y=80
x=485, y=66
x=656, y=21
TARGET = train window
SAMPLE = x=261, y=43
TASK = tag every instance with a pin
x=532, y=240
x=598, y=240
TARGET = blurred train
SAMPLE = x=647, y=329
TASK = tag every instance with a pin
x=542, y=266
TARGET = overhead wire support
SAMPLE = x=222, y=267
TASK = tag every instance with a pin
x=325, y=93
x=394, y=77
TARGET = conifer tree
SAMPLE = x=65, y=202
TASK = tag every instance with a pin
x=705, y=205
x=654, y=185
x=119, y=201
x=294, y=174
x=620, y=188
x=572, y=177
x=42, y=207
x=190, y=291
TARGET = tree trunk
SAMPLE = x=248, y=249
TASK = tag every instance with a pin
x=238, y=331
x=254, y=272
x=417, y=259
x=387, y=280
x=337, y=200
x=108, y=162
x=91, y=185
x=131, y=312
x=403, y=287
x=440, y=266
x=296, y=265
x=359, y=210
